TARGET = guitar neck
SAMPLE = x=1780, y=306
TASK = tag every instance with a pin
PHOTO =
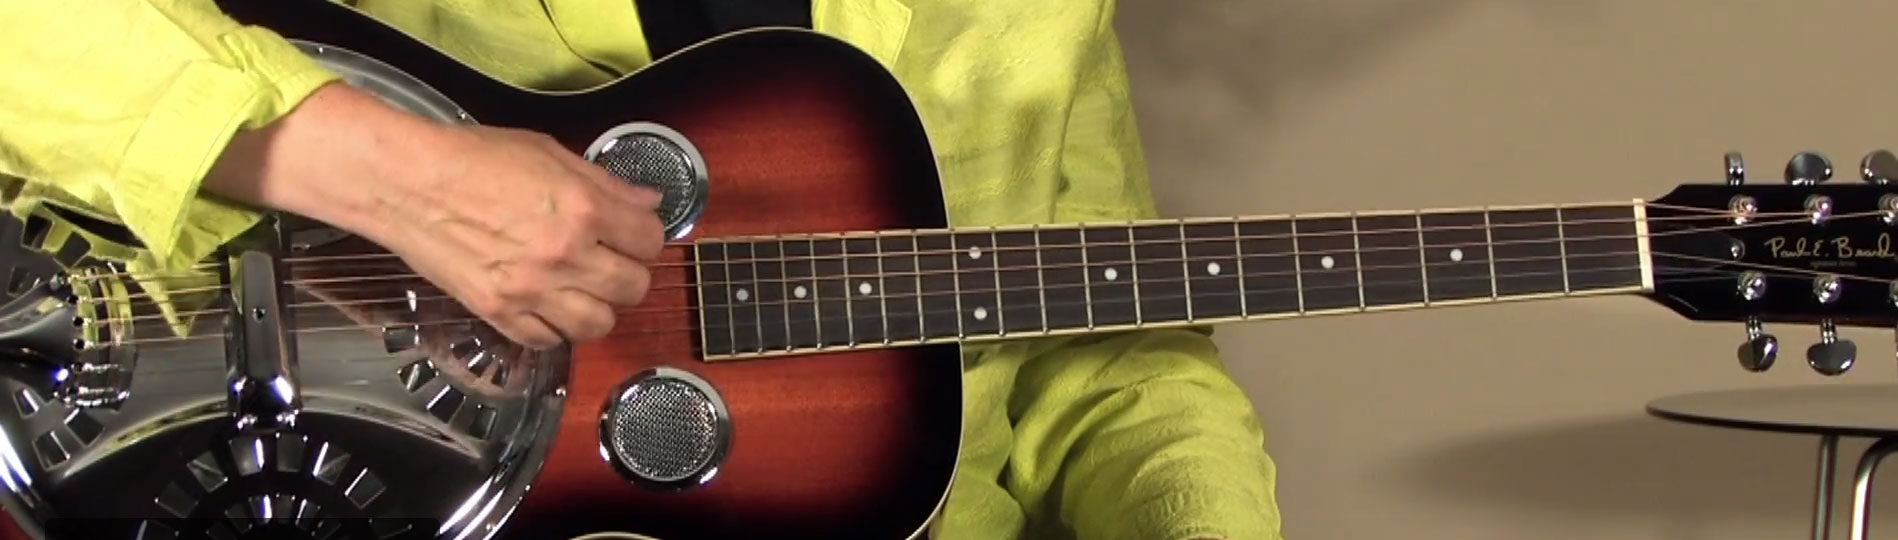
x=795, y=293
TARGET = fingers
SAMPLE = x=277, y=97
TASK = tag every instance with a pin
x=526, y=329
x=627, y=217
x=611, y=276
x=577, y=316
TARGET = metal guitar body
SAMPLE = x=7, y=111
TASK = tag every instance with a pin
x=279, y=412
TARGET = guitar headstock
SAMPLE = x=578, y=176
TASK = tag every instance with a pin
x=1802, y=250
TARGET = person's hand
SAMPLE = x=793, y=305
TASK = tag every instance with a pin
x=529, y=237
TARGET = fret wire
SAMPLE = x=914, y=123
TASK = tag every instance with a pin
x=817, y=307
x=850, y=301
x=1630, y=286
x=1628, y=221
x=916, y=254
x=1423, y=257
x=1489, y=240
x=1133, y=267
x=731, y=317
x=1087, y=278
x=1041, y=283
x=1394, y=267
x=883, y=295
x=1561, y=243
x=1239, y=260
x=995, y=271
x=698, y=270
x=1357, y=259
x=758, y=313
x=1366, y=250
x=784, y=296
x=955, y=263
x=1298, y=264
x=1186, y=272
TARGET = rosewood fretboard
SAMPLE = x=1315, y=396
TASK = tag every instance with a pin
x=808, y=292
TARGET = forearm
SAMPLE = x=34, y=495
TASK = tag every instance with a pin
x=343, y=157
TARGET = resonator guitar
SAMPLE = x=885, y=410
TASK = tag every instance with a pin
x=796, y=370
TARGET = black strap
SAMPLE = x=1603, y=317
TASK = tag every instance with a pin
x=671, y=25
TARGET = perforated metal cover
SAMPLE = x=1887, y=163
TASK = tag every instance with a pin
x=665, y=428
x=651, y=155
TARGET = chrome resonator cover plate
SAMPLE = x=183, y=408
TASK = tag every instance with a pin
x=415, y=422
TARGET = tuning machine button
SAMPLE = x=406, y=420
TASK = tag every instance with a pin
x=1760, y=349
x=1825, y=288
x=1831, y=356
x=1818, y=209
x=1736, y=169
x=1752, y=285
x=1878, y=167
x=1808, y=168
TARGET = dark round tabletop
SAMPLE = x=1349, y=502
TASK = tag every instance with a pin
x=1856, y=410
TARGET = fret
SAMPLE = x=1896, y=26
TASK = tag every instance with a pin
x=832, y=292
x=1110, y=276
x=715, y=325
x=1527, y=251
x=1018, y=272
x=799, y=269
x=1456, y=250
x=1601, y=248
x=774, y=327
x=936, y=279
x=1388, y=252
x=1159, y=273
x=1064, y=278
x=745, y=328
x=1327, y=263
x=862, y=263
x=976, y=286
x=1271, y=270
x=1213, y=268
x=902, y=305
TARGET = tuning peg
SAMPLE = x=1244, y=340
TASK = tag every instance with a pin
x=1831, y=356
x=1736, y=169
x=1760, y=349
x=1878, y=167
x=1808, y=168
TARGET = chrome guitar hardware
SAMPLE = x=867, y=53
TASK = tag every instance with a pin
x=265, y=394
x=666, y=429
x=1825, y=288
x=1752, y=285
x=1878, y=167
x=1736, y=169
x=1808, y=168
x=1760, y=349
x=260, y=391
x=1831, y=355
x=657, y=157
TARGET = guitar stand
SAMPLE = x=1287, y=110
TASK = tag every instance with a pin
x=1829, y=411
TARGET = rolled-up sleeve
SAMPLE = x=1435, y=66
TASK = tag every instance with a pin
x=119, y=108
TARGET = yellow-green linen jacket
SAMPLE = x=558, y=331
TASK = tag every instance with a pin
x=117, y=108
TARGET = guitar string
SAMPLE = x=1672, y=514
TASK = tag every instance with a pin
x=407, y=297
x=847, y=257
x=821, y=317
x=642, y=354
x=385, y=257
x=1179, y=279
